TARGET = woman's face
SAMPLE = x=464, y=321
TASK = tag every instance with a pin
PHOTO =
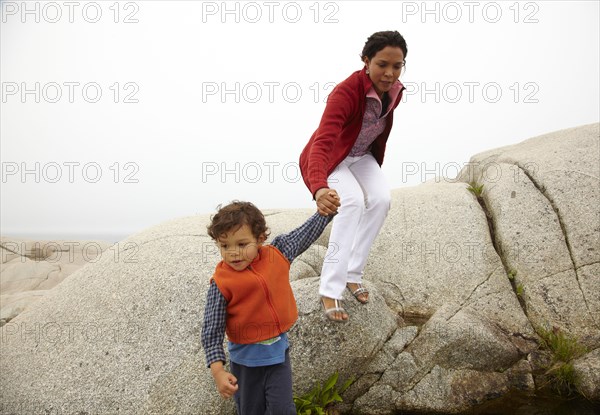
x=385, y=67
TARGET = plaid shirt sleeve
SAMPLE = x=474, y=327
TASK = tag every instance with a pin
x=213, y=329
x=297, y=241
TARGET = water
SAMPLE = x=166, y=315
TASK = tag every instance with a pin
x=517, y=403
x=523, y=404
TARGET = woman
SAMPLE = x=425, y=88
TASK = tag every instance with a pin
x=343, y=158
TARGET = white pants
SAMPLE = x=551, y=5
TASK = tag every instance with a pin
x=365, y=202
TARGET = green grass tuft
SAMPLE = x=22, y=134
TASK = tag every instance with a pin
x=564, y=349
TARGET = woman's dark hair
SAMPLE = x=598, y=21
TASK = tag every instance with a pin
x=379, y=40
x=235, y=215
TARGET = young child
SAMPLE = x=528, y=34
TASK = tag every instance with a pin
x=250, y=299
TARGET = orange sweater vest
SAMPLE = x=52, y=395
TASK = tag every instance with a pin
x=260, y=301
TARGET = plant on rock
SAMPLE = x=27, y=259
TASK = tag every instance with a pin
x=476, y=189
x=564, y=349
x=319, y=400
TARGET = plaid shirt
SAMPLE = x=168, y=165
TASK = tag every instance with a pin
x=291, y=245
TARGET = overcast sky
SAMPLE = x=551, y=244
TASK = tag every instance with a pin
x=117, y=116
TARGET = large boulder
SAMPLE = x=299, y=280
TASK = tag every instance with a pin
x=106, y=336
x=458, y=359
x=30, y=268
x=459, y=285
x=446, y=272
x=320, y=347
x=125, y=336
x=435, y=248
x=542, y=196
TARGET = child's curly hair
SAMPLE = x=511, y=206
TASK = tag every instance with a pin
x=235, y=215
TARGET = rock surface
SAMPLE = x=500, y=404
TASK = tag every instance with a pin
x=30, y=268
x=458, y=284
x=543, y=197
x=587, y=372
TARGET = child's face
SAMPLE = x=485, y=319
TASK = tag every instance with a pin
x=385, y=67
x=239, y=247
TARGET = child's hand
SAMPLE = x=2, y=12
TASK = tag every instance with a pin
x=225, y=381
x=328, y=201
x=226, y=384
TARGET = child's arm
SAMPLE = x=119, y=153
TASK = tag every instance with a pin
x=297, y=241
x=213, y=332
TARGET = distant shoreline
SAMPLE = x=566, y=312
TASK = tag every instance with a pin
x=68, y=236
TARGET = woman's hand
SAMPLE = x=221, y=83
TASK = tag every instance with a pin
x=327, y=200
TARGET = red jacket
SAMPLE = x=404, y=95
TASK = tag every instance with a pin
x=339, y=128
x=260, y=301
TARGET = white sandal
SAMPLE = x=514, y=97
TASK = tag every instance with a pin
x=358, y=292
x=329, y=312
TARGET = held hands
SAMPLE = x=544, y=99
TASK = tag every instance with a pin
x=225, y=381
x=327, y=200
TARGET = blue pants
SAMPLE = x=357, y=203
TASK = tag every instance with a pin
x=264, y=389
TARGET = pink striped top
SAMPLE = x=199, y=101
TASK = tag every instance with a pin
x=372, y=125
